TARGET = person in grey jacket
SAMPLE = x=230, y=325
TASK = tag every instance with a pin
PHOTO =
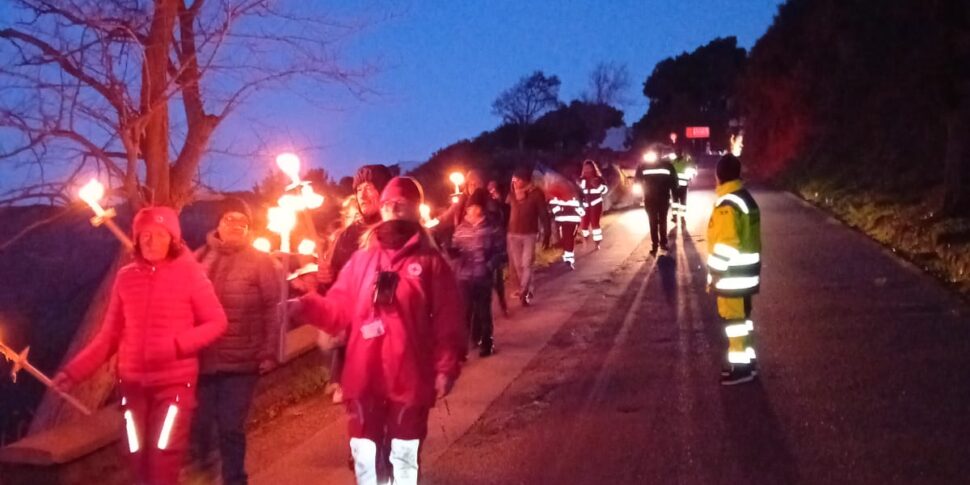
x=248, y=284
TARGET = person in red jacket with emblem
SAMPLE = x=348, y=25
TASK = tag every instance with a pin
x=162, y=312
x=399, y=303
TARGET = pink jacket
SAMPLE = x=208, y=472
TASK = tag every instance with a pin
x=423, y=330
x=158, y=319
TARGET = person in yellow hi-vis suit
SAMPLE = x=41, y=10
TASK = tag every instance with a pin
x=734, y=267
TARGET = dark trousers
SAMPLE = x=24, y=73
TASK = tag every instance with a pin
x=499, y=287
x=567, y=235
x=156, y=425
x=657, y=218
x=224, y=400
x=478, y=312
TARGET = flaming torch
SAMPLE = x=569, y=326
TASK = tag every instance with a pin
x=20, y=362
x=458, y=179
x=737, y=144
x=92, y=193
x=282, y=220
x=426, y=219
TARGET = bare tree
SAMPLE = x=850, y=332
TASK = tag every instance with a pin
x=608, y=84
x=531, y=96
x=135, y=89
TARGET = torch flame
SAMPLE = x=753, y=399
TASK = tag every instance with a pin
x=650, y=157
x=92, y=193
x=263, y=244
x=306, y=247
x=311, y=199
x=281, y=220
x=737, y=144
x=425, y=211
x=289, y=164
x=290, y=202
x=457, y=178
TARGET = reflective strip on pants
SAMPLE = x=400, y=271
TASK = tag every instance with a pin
x=568, y=256
x=597, y=234
x=739, y=358
x=167, y=426
x=132, y=431
x=736, y=330
x=404, y=460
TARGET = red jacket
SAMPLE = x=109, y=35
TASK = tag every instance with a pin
x=424, y=330
x=158, y=319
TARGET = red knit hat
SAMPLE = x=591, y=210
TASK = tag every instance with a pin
x=161, y=216
x=403, y=189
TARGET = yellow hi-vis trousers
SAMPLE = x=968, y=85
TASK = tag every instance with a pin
x=736, y=315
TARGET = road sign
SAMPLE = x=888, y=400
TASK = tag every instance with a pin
x=698, y=132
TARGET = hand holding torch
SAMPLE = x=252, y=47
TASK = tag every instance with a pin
x=20, y=362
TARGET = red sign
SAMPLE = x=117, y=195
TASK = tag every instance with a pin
x=698, y=132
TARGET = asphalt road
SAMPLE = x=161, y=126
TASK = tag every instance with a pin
x=865, y=374
x=612, y=378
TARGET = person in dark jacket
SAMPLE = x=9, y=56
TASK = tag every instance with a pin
x=163, y=311
x=659, y=181
x=479, y=244
x=498, y=198
x=528, y=216
x=248, y=284
x=369, y=182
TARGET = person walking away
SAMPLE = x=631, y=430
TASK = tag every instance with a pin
x=399, y=303
x=527, y=216
x=161, y=313
x=658, y=179
x=686, y=171
x=369, y=181
x=247, y=283
x=734, y=266
x=495, y=193
x=567, y=212
x=594, y=189
x=479, y=245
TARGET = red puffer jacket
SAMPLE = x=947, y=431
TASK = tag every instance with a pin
x=423, y=330
x=158, y=319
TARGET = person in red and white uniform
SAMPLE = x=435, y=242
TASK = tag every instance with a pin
x=567, y=212
x=594, y=189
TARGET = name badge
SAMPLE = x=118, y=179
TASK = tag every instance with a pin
x=372, y=330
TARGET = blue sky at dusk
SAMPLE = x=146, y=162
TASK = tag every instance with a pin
x=442, y=63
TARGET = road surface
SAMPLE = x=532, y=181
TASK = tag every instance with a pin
x=612, y=378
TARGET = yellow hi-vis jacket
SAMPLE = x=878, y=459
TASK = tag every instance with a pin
x=734, y=242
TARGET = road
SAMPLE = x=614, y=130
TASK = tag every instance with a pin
x=613, y=376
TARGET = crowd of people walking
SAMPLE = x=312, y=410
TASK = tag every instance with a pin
x=400, y=301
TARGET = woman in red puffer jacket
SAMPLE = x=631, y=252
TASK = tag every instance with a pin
x=162, y=311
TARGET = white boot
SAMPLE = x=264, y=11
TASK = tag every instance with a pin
x=365, y=460
x=404, y=459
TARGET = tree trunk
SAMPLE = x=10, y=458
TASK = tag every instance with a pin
x=154, y=102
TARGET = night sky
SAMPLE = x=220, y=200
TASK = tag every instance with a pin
x=442, y=63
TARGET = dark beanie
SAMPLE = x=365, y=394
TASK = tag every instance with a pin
x=523, y=173
x=235, y=204
x=379, y=175
x=479, y=197
x=728, y=168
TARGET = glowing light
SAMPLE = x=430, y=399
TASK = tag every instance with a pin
x=311, y=199
x=672, y=156
x=425, y=211
x=289, y=164
x=92, y=193
x=282, y=221
x=306, y=247
x=263, y=244
x=651, y=157
x=637, y=189
x=290, y=202
x=458, y=179
x=454, y=199
x=737, y=144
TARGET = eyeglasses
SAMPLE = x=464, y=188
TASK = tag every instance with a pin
x=238, y=221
